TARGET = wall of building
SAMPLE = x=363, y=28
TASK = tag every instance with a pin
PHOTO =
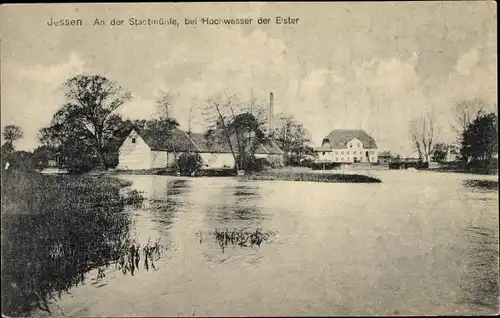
x=217, y=160
x=134, y=154
x=355, y=152
x=158, y=159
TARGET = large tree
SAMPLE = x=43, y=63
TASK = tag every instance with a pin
x=86, y=118
x=464, y=113
x=480, y=139
x=423, y=132
x=292, y=138
x=11, y=133
x=240, y=125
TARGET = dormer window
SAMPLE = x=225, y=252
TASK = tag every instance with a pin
x=133, y=140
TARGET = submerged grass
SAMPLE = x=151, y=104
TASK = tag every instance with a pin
x=239, y=237
x=55, y=229
x=482, y=184
x=312, y=177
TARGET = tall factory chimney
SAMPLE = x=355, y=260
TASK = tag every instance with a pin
x=271, y=113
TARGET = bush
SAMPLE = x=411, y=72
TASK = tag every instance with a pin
x=189, y=163
x=483, y=166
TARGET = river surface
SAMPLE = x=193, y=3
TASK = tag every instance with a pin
x=419, y=243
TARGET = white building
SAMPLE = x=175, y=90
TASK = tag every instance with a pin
x=348, y=146
x=148, y=150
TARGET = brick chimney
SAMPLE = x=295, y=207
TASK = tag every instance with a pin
x=271, y=113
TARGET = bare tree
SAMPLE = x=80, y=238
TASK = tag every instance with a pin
x=219, y=113
x=423, y=132
x=465, y=112
x=164, y=103
x=240, y=124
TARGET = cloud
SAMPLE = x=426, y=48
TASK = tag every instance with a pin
x=36, y=91
x=467, y=62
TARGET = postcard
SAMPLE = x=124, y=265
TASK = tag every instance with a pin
x=249, y=159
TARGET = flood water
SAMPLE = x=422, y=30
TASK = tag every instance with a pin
x=417, y=243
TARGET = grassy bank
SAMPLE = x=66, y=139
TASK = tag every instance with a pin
x=57, y=228
x=312, y=177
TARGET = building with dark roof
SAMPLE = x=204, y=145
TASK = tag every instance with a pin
x=348, y=146
x=144, y=149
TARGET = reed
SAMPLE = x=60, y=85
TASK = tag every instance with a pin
x=240, y=237
x=55, y=229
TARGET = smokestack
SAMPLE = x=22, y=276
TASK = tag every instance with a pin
x=271, y=113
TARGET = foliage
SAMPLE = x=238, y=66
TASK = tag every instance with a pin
x=240, y=125
x=293, y=139
x=439, y=152
x=18, y=160
x=189, y=163
x=480, y=139
x=83, y=127
x=12, y=133
x=67, y=226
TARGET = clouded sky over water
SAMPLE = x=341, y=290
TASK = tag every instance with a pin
x=372, y=66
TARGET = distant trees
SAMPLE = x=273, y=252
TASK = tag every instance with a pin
x=293, y=139
x=423, y=131
x=85, y=127
x=439, y=152
x=11, y=133
x=480, y=140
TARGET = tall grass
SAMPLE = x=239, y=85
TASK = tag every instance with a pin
x=239, y=237
x=55, y=229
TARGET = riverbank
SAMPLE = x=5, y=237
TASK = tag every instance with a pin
x=330, y=177
x=57, y=228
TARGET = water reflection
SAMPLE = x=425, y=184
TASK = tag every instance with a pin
x=79, y=225
x=239, y=205
x=167, y=200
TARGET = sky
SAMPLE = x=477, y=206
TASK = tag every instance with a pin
x=371, y=66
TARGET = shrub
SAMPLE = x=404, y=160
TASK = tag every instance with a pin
x=189, y=163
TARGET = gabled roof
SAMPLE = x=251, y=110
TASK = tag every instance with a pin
x=178, y=141
x=181, y=141
x=338, y=138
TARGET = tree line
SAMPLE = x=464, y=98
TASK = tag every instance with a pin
x=86, y=132
x=476, y=145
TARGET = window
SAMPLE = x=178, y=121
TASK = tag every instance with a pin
x=348, y=152
x=350, y=146
x=359, y=145
x=336, y=158
x=342, y=153
x=133, y=140
x=323, y=153
x=342, y=158
x=354, y=152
